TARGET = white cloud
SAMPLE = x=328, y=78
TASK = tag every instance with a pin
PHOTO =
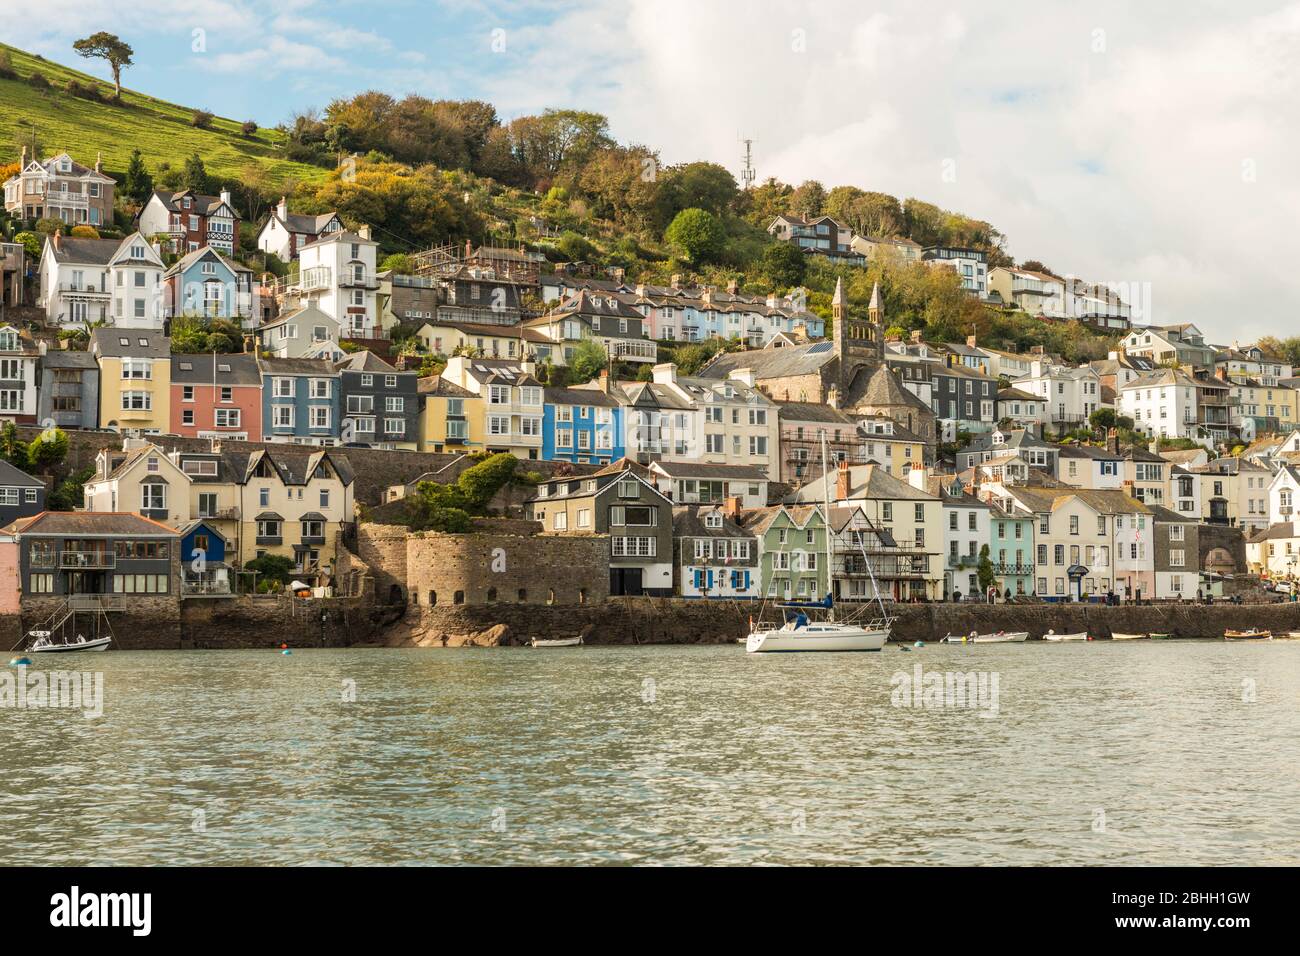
x=1116, y=155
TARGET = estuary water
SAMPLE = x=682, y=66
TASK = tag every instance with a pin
x=1097, y=753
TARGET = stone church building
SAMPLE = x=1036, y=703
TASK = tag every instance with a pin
x=848, y=372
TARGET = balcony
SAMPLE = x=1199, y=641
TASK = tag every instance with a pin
x=314, y=539
x=634, y=350
x=73, y=288
x=87, y=560
x=363, y=280
x=270, y=540
x=1013, y=569
x=73, y=200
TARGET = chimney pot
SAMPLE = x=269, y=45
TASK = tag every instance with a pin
x=841, y=482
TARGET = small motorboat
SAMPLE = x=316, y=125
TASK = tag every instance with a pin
x=1117, y=636
x=998, y=637
x=1053, y=636
x=558, y=642
x=1160, y=637
x=1251, y=634
x=44, y=644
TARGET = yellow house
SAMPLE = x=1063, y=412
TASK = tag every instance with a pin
x=135, y=370
x=490, y=341
x=295, y=507
x=451, y=417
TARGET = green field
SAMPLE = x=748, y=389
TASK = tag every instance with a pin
x=160, y=130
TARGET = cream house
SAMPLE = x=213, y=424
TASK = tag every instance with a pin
x=143, y=480
x=295, y=506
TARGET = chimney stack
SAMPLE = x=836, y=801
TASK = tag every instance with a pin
x=57, y=239
x=99, y=163
x=665, y=373
x=733, y=287
x=22, y=162
x=1112, y=440
x=364, y=230
x=731, y=506
x=469, y=249
x=225, y=196
x=916, y=336
x=677, y=281
x=841, y=483
x=604, y=380
x=970, y=341
x=282, y=208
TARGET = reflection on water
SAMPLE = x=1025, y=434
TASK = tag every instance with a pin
x=1099, y=753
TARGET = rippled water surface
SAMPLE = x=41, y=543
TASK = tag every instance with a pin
x=1153, y=753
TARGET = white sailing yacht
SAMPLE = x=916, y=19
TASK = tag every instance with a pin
x=802, y=632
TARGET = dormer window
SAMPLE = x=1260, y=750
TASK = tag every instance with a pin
x=713, y=520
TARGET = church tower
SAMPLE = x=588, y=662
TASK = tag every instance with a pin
x=859, y=343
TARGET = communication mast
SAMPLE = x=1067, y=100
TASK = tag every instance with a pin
x=747, y=173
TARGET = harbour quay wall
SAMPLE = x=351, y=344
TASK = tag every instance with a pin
x=245, y=621
x=645, y=620
x=931, y=622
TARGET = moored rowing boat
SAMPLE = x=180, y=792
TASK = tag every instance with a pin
x=1117, y=636
x=1053, y=636
x=1252, y=634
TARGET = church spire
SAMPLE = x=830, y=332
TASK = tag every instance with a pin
x=837, y=300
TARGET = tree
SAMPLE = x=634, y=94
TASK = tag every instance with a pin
x=271, y=567
x=398, y=262
x=202, y=119
x=31, y=244
x=985, y=569
x=69, y=494
x=107, y=46
x=47, y=450
x=1102, y=418
x=137, y=185
x=697, y=234
x=784, y=264
x=195, y=176
x=589, y=357
x=12, y=448
x=808, y=200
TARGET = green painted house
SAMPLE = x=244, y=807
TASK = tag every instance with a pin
x=791, y=550
x=1011, y=549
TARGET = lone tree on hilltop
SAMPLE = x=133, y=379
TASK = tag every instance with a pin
x=110, y=47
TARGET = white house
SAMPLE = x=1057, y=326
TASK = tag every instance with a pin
x=188, y=221
x=338, y=275
x=1284, y=495
x=1161, y=403
x=300, y=334
x=116, y=281
x=1072, y=394
x=19, y=360
x=285, y=233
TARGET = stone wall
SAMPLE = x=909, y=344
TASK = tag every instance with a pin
x=677, y=621
x=382, y=548
x=507, y=569
x=268, y=621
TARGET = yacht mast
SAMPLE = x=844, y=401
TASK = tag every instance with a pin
x=826, y=497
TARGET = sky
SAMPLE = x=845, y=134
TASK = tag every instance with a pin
x=1146, y=145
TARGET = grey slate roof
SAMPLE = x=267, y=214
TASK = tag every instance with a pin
x=130, y=343
x=11, y=477
x=234, y=369
x=773, y=362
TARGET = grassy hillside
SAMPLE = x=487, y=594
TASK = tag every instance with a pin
x=160, y=130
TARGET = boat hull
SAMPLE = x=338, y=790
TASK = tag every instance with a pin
x=558, y=642
x=847, y=639
x=98, y=644
x=1081, y=636
x=1248, y=635
x=1015, y=637
x=1128, y=637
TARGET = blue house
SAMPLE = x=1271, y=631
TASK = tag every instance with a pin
x=300, y=401
x=582, y=425
x=204, y=283
x=210, y=576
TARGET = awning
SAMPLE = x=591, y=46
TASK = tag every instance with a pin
x=268, y=516
x=1076, y=571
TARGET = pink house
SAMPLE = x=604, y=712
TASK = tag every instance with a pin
x=216, y=396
